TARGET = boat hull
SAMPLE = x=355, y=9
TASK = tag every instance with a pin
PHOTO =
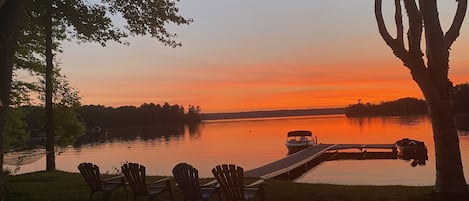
x=295, y=147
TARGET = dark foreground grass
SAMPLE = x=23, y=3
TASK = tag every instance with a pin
x=62, y=186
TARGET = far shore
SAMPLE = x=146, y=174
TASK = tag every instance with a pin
x=273, y=113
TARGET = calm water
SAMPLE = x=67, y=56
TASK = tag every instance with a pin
x=253, y=142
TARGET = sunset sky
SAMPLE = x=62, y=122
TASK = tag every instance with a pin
x=257, y=55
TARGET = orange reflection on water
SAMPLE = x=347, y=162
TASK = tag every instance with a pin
x=254, y=142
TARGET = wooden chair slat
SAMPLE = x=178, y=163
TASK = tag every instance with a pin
x=136, y=176
x=92, y=176
x=230, y=177
x=187, y=179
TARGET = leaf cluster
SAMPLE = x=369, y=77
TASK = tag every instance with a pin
x=16, y=133
x=149, y=17
x=87, y=22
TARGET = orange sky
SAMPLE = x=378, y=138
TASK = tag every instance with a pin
x=259, y=55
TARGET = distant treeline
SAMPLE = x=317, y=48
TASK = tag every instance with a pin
x=274, y=113
x=408, y=106
x=403, y=106
x=145, y=115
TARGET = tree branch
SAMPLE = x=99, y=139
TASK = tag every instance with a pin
x=396, y=45
x=434, y=36
x=399, y=26
x=453, y=31
x=414, y=35
x=381, y=26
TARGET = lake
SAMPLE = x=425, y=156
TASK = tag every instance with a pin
x=254, y=142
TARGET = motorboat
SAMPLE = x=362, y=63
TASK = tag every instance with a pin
x=411, y=149
x=300, y=139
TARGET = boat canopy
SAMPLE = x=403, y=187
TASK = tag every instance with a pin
x=299, y=133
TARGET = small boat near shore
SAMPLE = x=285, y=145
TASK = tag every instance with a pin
x=299, y=140
x=411, y=149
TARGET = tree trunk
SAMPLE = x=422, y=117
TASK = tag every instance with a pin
x=49, y=123
x=11, y=18
x=449, y=171
x=432, y=79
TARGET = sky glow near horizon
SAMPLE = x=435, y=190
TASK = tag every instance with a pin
x=257, y=55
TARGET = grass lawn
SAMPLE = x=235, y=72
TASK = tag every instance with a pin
x=62, y=186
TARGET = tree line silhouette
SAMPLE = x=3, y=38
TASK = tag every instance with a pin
x=409, y=106
x=145, y=115
x=403, y=106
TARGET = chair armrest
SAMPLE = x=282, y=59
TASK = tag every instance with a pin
x=256, y=183
x=160, y=181
x=114, y=178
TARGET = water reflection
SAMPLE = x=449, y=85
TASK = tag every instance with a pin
x=194, y=130
x=159, y=133
x=256, y=142
x=407, y=121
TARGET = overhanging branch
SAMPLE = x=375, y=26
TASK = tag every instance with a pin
x=397, y=45
x=414, y=34
x=399, y=26
x=453, y=31
x=381, y=26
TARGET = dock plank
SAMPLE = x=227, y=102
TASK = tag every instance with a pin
x=295, y=160
x=362, y=146
x=288, y=163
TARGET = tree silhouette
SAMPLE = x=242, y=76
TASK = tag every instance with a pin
x=11, y=17
x=431, y=75
x=80, y=20
x=65, y=19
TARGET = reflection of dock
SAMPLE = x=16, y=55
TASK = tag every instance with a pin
x=304, y=160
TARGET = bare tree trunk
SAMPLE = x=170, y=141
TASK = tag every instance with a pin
x=49, y=123
x=432, y=78
x=449, y=171
x=11, y=18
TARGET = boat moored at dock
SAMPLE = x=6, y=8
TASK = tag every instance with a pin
x=299, y=140
x=411, y=149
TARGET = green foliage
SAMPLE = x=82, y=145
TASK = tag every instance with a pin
x=20, y=92
x=63, y=93
x=16, y=133
x=149, y=17
x=68, y=126
x=88, y=22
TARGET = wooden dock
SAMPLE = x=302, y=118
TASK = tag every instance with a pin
x=301, y=158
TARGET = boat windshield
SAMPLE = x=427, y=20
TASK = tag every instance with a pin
x=299, y=133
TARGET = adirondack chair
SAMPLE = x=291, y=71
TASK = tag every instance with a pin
x=96, y=183
x=187, y=179
x=135, y=175
x=230, y=178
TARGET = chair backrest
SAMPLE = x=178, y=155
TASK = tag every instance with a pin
x=135, y=175
x=187, y=179
x=90, y=173
x=230, y=178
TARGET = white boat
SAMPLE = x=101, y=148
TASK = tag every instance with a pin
x=299, y=140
